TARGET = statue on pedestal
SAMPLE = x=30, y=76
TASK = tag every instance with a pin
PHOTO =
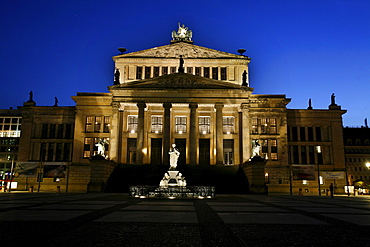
x=174, y=156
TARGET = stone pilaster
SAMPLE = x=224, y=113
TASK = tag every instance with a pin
x=246, y=142
x=140, y=134
x=114, y=133
x=193, y=133
x=166, y=132
x=219, y=134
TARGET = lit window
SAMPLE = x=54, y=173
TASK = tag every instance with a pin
x=132, y=124
x=88, y=124
x=228, y=125
x=106, y=124
x=157, y=123
x=180, y=124
x=97, y=124
x=204, y=125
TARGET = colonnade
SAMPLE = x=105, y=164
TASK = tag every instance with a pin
x=192, y=135
x=116, y=135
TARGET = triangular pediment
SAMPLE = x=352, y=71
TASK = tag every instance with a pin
x=178, y=81
x=185, y=49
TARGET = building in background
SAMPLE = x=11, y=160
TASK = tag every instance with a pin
x=200, y=99
x=357, y=151
x=10, y=132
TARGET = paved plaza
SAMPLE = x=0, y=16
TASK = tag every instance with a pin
x=226, y=220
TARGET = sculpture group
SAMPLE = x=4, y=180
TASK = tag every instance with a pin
x=183, y=33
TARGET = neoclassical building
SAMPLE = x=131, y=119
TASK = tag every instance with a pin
x=199, y=99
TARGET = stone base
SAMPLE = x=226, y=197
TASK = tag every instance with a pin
x=189, y=192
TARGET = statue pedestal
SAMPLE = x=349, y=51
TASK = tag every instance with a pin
x=255, y=172
x=172, y=178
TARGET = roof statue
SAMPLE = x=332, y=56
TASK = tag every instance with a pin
x=183, y=34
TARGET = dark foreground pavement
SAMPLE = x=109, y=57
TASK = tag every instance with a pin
x=227, y=220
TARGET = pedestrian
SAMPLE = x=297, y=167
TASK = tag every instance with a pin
x=331, y=188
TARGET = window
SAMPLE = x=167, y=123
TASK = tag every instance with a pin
x=139, y=72
x=69, y=131
x=228, y=125
x=180, y=124
x=91, y=147
x=302, y=133
x=274, y=149
x=311, y=154
x=303, y=155
x=87, y=147
x=157, y=124
x=97, y=124
x=318, y=134
x=59, y=153
x=215, y=73
x=310, y=133
x=198, y=71
x=164, y=70
x=148, y=71
x=88, y=124
x=67, y=152
x=204, y=125
x=269, y=148
x=60, y=131
x=206, y=72
x=264, y=126
x=44, y=131
x=155, y=71
x=254, y=125
x=294, y=134
x=52, y=130
x=172, y=70
x=132, y=124
x=106, y=124
x=189, y=70
x=223, y=74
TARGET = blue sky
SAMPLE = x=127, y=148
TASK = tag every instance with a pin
x=301, y=48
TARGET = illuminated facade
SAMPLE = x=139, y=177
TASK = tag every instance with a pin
x=196, y=97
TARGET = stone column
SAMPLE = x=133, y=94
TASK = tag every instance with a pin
x=166, y=133
x=140, y=134
x=246, y=142
x=193, y=133
x=219, y=134
x=114, y=132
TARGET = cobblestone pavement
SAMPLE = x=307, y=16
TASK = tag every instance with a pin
x=227, y=220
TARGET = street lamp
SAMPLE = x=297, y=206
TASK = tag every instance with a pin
x=368, y=165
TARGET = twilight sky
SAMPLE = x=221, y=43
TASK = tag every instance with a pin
x=301, y=48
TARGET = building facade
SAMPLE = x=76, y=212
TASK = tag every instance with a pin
x=357, y=152
x=197, y=98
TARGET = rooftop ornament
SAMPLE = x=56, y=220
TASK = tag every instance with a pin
x=183, y=34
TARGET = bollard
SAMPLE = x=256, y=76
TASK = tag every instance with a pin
x=300, y=192
x=31, y=189
x=58, y=189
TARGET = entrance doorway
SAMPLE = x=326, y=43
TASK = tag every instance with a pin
x=131, y=150
x=156, y=152
x=228, y=152
x=204, y=152
x=181, y=146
